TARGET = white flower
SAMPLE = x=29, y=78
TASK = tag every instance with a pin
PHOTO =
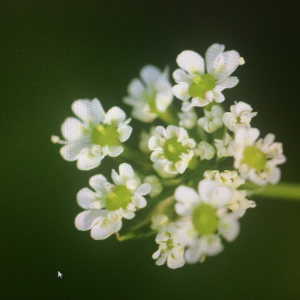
x=257, y=160
x=150, y=96
x=105, y=208
x=172, y=149
x=238, y=203
x=204, y=219
x=156, y=186
x=144, y=139
x=239, y=117
x=225, y=146
x=188, y=119
x=212, y=120
x=170, y=249
x=94, y=135
x=205, y=150
x=203, y=88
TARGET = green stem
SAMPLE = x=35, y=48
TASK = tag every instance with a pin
x=285, y=191
x=168, y=117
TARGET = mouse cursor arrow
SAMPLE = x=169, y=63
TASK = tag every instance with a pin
x=59, y=274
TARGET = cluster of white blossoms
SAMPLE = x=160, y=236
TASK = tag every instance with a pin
x=192, y=171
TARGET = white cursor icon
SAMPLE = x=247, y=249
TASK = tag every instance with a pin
x=59, y=274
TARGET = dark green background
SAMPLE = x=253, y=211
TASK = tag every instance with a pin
x=54, y=52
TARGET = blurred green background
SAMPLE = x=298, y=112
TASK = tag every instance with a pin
x=54, y=52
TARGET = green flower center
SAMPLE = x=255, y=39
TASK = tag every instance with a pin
x=254, y=158
x=205, y=219
x=169, y=243
x=173, y=149
x=201, y=85
x=105, y=135
x=120, y=197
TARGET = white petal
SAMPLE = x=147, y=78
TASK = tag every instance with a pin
x=211, y=54
x=150, y=74
x=85, y=219
x=115, y=116
x=229, y=227
x=139, y=201
x=175, y=262
x=161, y=260
x=181, y=91
x=219, y=97
x=143, y=189
x=191, y=62
x=231, y=62
x=97, y=111
x=85, y=197
x=84, y=110
x=206, y=188
x=124, y=132
x=136, y=88
x=72, y=129
x=87, y=161
x=126, y=171
x=70, y=152
x=156, y=254
x=128, y=215
x=229, y=82
x=116, y=178
x=163, y=100
x=101, y=232
x=114, y=151
x=193, y=254
x=98, y=182
x=186, y=198
x=180, y=75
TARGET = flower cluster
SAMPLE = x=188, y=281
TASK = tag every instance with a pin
x=192, y=172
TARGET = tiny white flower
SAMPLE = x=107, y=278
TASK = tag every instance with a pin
x=144, y=139
x=212, y=120
x=224, y=146
x=109, y=203
x=257, y=160
x=156, y=186
x=94, y=135
x=188, y=119
x=204, y=87
x=205, y=150
x=170, y=250
x=204, y=219
x=238, y=203
x=239, y=117
x=150, y=96
x=172, y=149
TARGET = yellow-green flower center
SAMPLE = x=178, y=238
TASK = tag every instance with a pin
x=120, y=197
x=173, y=149
x=254, y=158
x=205, y=219
x=202, y=84
x=105, y=135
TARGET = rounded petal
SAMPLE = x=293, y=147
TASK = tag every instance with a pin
x=85, y=197
x=97, y=110
x=126, y=171
x=88, y=111
x=230, y=63
x=206, y=188
x=114, y=151
x=72, y=129
x=191, y=62
x=193, y=254
x=186, y=198
x=87, y=161
x=229, y=227
x=136, y=88
x=179, y=75
x=143, y=189
x=150, y=74
x=98, y=182
x=115, y=116
x=156, y=254
x=139, y=201
x=104, y=229
x=85, y=219
x=181, y=91
x=211, y=54
x=71, y=152
x=124, y=132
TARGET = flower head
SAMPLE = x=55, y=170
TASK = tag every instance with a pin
x=172, y=149
x=170, y=249
x=205, y=219
x=224, y=146
x=257, y=160
x=94, y=135
x=109, y=203
x=150, y=96
x=188, y=119
x=239, y=117
x=204, y=87
x=212, y=120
